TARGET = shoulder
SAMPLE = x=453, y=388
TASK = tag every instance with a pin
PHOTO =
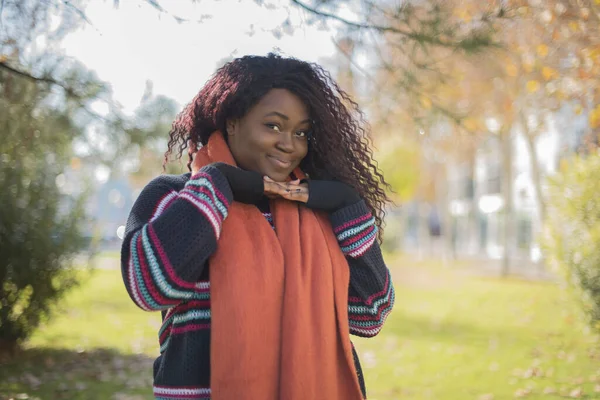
x=164, y=184
x=175, y=182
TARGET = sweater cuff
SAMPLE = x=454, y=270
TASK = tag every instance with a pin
x=355, y=229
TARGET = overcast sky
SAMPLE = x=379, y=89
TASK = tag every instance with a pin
x=135, y=43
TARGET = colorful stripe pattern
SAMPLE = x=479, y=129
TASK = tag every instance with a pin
x=153, y=282
x=186, y=317
x=201, y=192
x=181, y=393
x=357, y=236
x=367, y=316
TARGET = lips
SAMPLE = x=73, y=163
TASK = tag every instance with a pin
x=281, y=163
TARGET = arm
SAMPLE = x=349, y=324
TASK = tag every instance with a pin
x=170, y=235
x=371, y=293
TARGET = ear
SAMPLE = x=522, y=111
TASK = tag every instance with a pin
x=231, y=126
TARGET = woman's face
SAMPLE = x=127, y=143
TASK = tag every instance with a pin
x=272, y=138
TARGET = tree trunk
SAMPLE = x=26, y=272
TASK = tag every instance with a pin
x=507, y=189
x=536, y=175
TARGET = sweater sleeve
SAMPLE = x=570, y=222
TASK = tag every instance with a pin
x=169, y=236
x=371, y=292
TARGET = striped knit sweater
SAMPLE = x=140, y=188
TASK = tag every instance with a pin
x=172, y=230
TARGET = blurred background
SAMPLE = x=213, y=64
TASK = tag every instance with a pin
x=484, y=117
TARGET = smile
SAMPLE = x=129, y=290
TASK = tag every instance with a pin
x=278, y=162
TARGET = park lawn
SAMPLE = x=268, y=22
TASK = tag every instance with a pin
x=452, y=335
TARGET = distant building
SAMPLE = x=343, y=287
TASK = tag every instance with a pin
x=475, y=201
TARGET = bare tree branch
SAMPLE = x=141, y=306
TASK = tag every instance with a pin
x=44, y=79
x=413, y=35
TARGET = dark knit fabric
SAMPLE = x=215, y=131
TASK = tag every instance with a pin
x=172, y=230
x=247, y=186
x=330, y=195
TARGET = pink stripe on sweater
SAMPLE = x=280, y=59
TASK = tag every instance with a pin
x=356, y=238
x=137, y=295
x=165, y=261
x=376, y=295
x=220, y=195
x=163, y=204
x=204, y=190
x=147, y=275
x=189, y=328
x=358, y=252
x=353, y=222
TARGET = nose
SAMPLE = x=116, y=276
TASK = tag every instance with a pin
x=285, y=142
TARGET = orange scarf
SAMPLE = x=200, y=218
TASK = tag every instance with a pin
x=279, y=303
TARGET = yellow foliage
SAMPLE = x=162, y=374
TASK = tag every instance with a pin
x=542, y=50
x=464, y=15
x=578, y=109
x=400, y=164
x=595, y=117
x=471, y=124
x=574, y=26
x=533, y=86
x=426, y=102
x=549, y=73
x=528, y=66
x=511, y=70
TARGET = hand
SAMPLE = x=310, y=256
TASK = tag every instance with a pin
x=293, y=190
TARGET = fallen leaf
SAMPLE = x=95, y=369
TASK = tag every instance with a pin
x=522, y=392
x=576, y=393
x=549, y=390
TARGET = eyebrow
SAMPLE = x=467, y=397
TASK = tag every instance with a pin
x=284, y=117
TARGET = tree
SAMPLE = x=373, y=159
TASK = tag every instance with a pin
x=572, y=235
x=47, y=104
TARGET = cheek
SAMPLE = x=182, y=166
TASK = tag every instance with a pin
x=303, y=150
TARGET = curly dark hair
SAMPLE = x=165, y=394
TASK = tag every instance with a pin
x=339, y=145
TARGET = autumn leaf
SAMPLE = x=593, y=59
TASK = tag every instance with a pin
x=576, y=393
x=542, y=50
x=594, y=117
x=512, y=70
x=549, y=73
x=425, y=102
x=522, y=392
x=574, y=26
x=533, y=86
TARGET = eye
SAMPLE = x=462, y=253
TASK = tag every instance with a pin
x=303, y=134
x=274, y=127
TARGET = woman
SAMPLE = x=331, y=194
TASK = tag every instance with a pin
x=263, y=259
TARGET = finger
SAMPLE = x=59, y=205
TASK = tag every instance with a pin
x=296, y=194
x=266, y=178
x=274, y=188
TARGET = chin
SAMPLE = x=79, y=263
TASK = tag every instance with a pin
x=279, y=176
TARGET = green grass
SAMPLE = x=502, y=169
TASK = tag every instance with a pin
x=451, y=336
x=454, y=336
